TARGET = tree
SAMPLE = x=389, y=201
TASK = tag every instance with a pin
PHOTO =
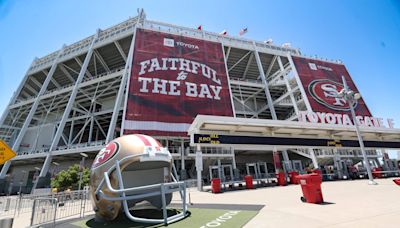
x=69, y=179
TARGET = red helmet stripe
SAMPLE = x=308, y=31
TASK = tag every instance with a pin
x=154, y=141
x=144, y=140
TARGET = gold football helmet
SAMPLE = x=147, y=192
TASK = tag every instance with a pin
x=131, y=169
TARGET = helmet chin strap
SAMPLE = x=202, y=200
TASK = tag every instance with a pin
x=151, y=190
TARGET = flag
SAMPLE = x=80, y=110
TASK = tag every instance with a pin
x=224, y=32
x=199, y=27
x=269, y=41
x=242, y=31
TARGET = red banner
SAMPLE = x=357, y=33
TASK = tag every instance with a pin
x=321, y=81
x=173, y=79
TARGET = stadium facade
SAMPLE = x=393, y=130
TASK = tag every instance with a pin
x=144, y=76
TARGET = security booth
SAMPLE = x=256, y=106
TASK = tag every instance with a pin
x=311, y=140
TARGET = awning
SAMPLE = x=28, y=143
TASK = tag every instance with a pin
x=260, y=134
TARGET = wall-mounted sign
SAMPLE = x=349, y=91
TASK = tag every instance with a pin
x=173, y=79
x=322, y=81
x=344, y=119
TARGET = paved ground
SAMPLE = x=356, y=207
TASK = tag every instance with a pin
x=199, y=217
x=350, y=204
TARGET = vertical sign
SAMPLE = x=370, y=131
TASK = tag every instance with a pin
x=173, y=79
x=321, y=81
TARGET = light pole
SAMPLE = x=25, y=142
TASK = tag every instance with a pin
x=37, y=170
x=21, y=181
x=54, y=169
x=350, y=96
x=82, y=165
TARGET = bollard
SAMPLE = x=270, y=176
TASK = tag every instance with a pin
x=249, y=181
x=216, y=185
x=281, y=179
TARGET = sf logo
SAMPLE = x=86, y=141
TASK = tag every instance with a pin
x=105, y=154
x=324, y=91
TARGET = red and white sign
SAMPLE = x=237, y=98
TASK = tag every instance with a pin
x=321, y=81
x=173, y=79
x=105, y=154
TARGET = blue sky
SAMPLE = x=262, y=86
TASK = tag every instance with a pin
x=364, y=34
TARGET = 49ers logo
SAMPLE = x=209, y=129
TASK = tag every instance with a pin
x=106, y=154
x=324, y=91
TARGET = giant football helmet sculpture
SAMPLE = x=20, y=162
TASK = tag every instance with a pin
x=129, y=170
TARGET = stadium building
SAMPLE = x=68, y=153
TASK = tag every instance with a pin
x=227, y=104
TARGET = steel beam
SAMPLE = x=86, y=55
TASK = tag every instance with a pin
x=32, y=111
x=264, y=80
x=67, y=111
x=120, y=50
x=102, y=61
x=247, y=66
x=30, y=88
x=240, y=60
x=302, y=91
x=15, y=95
x=36, y=82
x=81, y=65
x=227, y=74
x=62, y=68
x=67, y=89
x=296, y=109
x=124, y=86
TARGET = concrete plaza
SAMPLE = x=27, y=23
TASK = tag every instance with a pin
x=348, y=204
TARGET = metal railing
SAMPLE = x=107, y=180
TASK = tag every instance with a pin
x=47, y=208
x=44, y=211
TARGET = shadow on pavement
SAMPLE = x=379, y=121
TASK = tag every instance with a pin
x=123, y=221
x=326, y=203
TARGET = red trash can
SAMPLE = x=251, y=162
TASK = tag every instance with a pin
x=376, y=172
x=311, y=187
x=293, y=177
x=215, y=185
x=281, y=179
x=317, y=171
x=249, y=181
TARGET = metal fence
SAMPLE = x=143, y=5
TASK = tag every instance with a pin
x=43, y=210
x=47, y=208
x=60, y=206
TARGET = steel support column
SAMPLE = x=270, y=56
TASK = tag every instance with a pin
x=300, y=85
x=235, y=170
x=336, y=162
x=313, y=158
x=40, y=181
x=123, y=87
x=15, y=95
x=285, y=155
x=296, y=109
x=32, y=112
x=182, y=151
x=227, y=74
x=199, y=167
x=264, y=80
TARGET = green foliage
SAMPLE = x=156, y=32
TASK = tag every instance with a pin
x=69, y=179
